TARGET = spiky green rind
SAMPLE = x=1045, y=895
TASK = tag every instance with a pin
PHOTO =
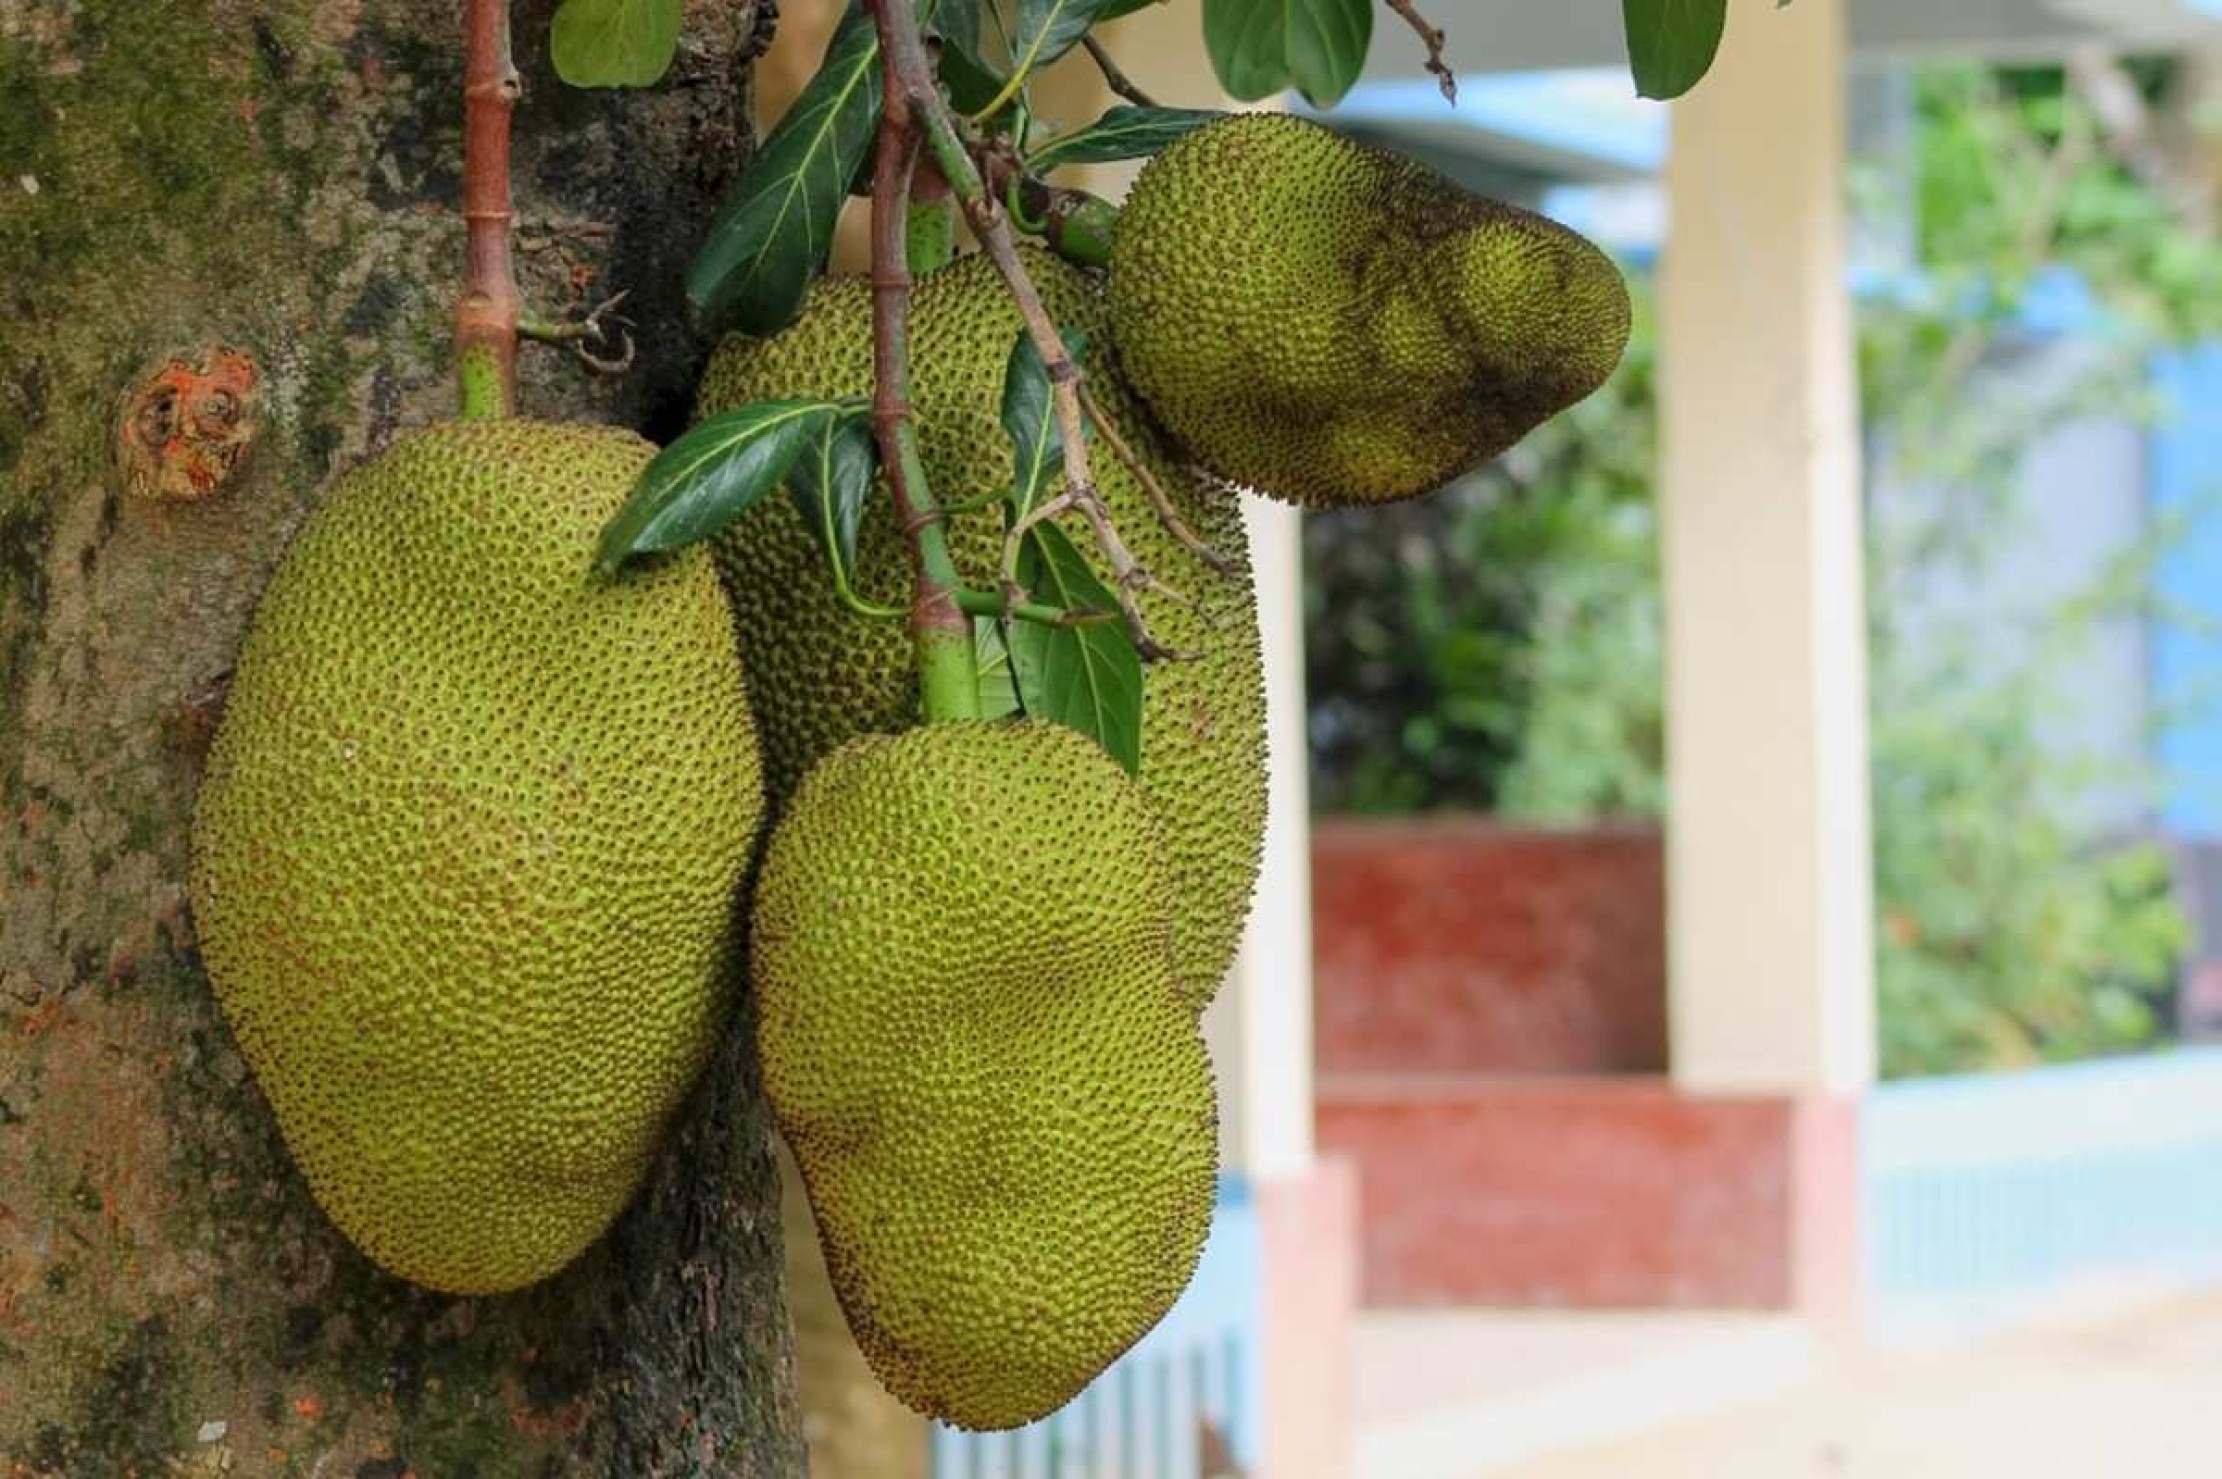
x=820, y=675
x=1336, y=325
x=466, y=857
x=970, y=1031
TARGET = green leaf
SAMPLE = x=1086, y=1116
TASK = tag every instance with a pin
x=614, y=43
x=1087, y=676
x=1030, y=417
x=1259, y=47
x=831, y=484
x=1327, y=44
x=1122, y=133
x=1045, y=30
x=957, y=22
x=711, y=476
x=1671, y=43
x=971, y=85
x=974, y=62
x=772, y=236
x=998, y=689
x=1117, y=8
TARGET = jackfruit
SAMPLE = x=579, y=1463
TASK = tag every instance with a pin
x=1336, y=325
x=467, y=854
x=971, y=1036
x=819, y=674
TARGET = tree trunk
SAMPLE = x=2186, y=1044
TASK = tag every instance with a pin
x=280, y=177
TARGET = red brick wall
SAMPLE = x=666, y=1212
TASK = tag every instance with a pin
x=1456, y=945
x=1566, y=1191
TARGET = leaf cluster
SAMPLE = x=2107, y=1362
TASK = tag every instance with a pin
x=1258, y=48
x=1057, y=652
x=1066, y=657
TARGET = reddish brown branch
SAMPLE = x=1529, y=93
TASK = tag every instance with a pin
x=908, y=68
x=486, y=314
x=943, y=630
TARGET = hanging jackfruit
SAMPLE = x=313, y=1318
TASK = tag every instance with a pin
x=1337, y=325
x=819, y=674
x=467, y=854
x=970, y=1032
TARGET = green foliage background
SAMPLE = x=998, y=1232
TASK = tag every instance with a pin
x=1497, y=647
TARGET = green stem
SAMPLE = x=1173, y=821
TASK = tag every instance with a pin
x=949, y=154
x=485, y=390
x=486, y=313
x=1078, y=225
x=948, y=674
x=996, y=603
x=948, y=681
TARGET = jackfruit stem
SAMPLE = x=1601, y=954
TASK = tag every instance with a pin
x=1076, y=225
x=908, y=72
x=948, y=674
x=486, y=314
x=1003, y=604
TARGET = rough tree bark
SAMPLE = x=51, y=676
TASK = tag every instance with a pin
x=281, y=176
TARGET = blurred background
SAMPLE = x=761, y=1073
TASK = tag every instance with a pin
x=1744, y=901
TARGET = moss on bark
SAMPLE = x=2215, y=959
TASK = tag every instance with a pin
x=280, y=175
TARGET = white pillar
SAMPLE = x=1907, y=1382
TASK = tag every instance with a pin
x=1768, y=855
x=1260, y=1028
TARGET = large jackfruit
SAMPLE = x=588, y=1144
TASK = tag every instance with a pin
x=1337, y=325
x=467, y=854
x=819, y=674
x=970, y=1033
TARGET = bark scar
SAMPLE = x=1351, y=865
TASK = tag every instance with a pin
x=187, y=426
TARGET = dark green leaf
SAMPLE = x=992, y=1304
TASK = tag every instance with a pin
x=1259, y=47
x=1671, y=42
x=975, y=53
x=712, y=475
x=831, y=484
x=972, y=85
x=1030, y=417
x=1046, y=30
x=1087, y=676
x=1122, y=133
x=614, y=43
x=1327, y=44
x=957, y=22
x=772, y=236
x=1117, y=8
x=998, y=689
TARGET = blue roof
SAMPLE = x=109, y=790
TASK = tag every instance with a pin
x=1591, y=113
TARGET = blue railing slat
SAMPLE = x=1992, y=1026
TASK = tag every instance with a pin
x=2014, y=1184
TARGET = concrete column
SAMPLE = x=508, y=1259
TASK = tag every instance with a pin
x=1261, y=1026
x=1768, y=854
